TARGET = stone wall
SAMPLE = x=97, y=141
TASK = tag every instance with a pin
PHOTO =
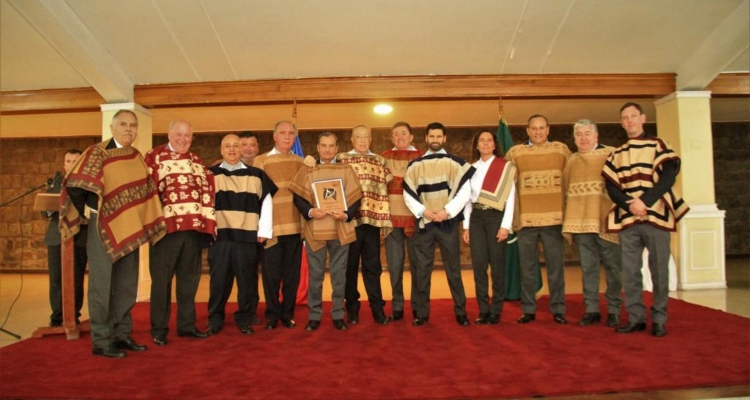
x=26, y=163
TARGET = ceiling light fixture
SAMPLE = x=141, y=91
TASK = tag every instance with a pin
x=382, y=109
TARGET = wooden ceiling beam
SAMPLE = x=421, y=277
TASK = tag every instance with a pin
x=453, y=87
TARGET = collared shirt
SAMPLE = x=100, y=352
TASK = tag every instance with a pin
x=229, y=167
x=441, y=151
x=411, y=148
x=369, y=153
x=476, y=188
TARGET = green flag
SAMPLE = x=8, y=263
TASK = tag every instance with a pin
x=512, y=260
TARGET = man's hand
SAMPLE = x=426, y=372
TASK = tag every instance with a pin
x=338, y=215
x=638, y=208
x=317, y=213
x=261, y=239
x=309, y=161
x=441, y=216
x=466, y=236
x=502, y=234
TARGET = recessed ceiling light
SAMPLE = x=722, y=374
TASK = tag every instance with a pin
x=382, y=109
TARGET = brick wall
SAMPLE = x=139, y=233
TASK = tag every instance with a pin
x=26, y=163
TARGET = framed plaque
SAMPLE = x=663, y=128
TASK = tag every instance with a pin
x=329, y=194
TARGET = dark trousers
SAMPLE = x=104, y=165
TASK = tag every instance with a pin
x=54, y=261
x=229, y=259
x=367, y=249
x=485, y=250
x=177, y=254
x=113, y=288
x=281, y=269
x=395, y=256
x=528, y=250
x=449, y=242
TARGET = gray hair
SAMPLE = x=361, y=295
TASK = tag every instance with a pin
x=585, y=122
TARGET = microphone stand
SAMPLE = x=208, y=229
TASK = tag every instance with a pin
x=32, y=190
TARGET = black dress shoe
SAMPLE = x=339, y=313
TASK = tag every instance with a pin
x=353, y=317
x=613, y=320
x=632, y=327
x=160, y=340
x=380, y=319
x=254, y=320
x=493, y=319
x=193, y=334
x=658, y=330
x=396, y=316
x=462, y=320
x=312, y=325
x=109, y=351
x=482, y=319
x=339, y=324
x=590, y=318
x=212, y=330
x=245, y=329
x=560, y=319
x=289, y=323
x=271, y=325
x=526, y=318
x=420, y=321
x=129, y=344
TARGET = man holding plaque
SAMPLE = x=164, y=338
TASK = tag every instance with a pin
x=373, y=216
x=328, y=196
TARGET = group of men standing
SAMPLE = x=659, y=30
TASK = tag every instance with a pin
x=252, y=209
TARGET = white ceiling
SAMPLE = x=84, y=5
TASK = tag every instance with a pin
x=112, y=45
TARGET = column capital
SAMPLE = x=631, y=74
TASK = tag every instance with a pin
x=684, y=94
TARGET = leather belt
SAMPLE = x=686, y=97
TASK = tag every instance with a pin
x=480, y=206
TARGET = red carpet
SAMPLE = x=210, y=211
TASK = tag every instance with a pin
x=703, y=348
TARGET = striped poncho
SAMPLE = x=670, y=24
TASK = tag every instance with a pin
x=434, y=180
x=586, y=199
x=539, y=195
x=634, y=168
x=239, y=199
x=130, y=212
x=397, y=162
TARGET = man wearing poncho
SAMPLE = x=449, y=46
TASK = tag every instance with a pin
x=436, y=189
x=586, y=207
x=640, y=175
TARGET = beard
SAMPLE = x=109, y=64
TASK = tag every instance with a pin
x=435, y=146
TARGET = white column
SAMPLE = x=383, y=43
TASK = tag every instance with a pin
x=684, y=120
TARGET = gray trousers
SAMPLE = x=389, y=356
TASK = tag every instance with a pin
x=395, y=256
x=632, y=241
x=552, y=241
x=113, y=288
x=316, y=268
x=450, y=250
x=594, y=250
x=485, y=250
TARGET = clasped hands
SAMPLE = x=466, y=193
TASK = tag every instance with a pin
x=319, y=213
x=638, y=208
x=436, y=216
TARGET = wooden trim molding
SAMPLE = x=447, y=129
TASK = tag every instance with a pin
x=354, y=89
x=75, y=99
x=407, y=88
x=730, y=84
